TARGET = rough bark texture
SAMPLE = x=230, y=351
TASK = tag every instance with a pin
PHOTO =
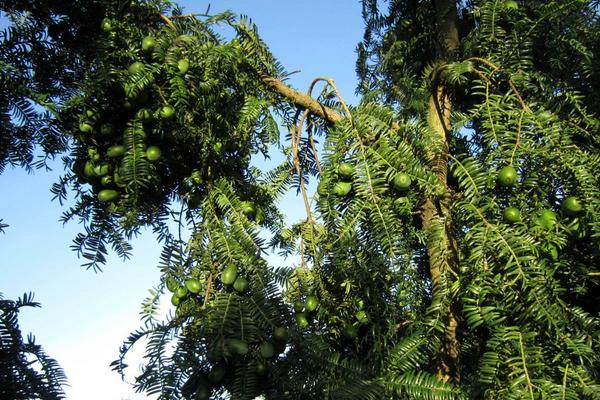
x=434, y=212
x=300, y=99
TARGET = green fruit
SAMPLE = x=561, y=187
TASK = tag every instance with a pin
x=572, y=206
x=144, y=114
x=261, y=368
x=172, y=284
x=183, y=65
x=93, y=154
x=241, y=284
x=322, y=189
x=239, y=346
x=136, y=68
x=148, y=43
x=153, y=153
x=511, y=5
x=229, y=275
x=106, y=129
x=266, y=350
x=301, y=320
x=345, y=170
x=342, y=188
x=193, y=285
x=402, y=181
x=280, y=334
x=248, y=208
x=512, y=215
x=350, y=331
x=117, y=180
x=218, y=147
x=311, y=303
x=107, y=195
x=202, y=393
x=166, y=112
x=181, y=292
x=106, y=180
x=362, y=317
x=106, y=25
x=298, y=306
x=507, y=176
x=88, y=169
x=115, y=151
x=546, y=218
x=175, y=300
x=102, y=169
x=85, y=127
x=216, y=374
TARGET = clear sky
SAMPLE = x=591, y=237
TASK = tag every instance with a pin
x=85, y=316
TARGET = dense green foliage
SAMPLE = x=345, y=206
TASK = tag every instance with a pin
x=434, y=263
x=26, y=372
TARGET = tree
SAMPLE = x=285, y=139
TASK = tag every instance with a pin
x=451, y=250
x=26, y=372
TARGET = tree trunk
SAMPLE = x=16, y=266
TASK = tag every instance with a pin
x=434, y=212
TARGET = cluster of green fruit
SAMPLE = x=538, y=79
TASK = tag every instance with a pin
x=102, y=127
x=545, y=218
x=343, y=186
x=191, y=287
x=304, y=310
x=229, y=356
x=231, y=278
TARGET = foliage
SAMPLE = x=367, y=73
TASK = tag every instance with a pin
x=409, y=280
x=26, y=371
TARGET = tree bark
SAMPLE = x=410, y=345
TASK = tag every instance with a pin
x=434, y=212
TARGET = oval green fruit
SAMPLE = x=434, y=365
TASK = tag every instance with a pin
x=511, y=5
x=311, y=303
x=88, y=169
x=266, y=350
x=571, y=205
x=241, y=284
x=507, y=176
x=248, y=208
x=350, y=331
x=172, y=284
x=106, y=25
x=546, y=218
x=512, y=215
x=202, y=393
x=144, y=114
x=216, y=374
x=106, y=129
x=153, y=153
x=148, y=43
x=298, y=306
x=85, y=127
x=239, y=346
x=229, y=275
x=193, y=285
x=106, y=180
x=342, y=188
x=183, y=65
x=108, y=195
x=166, y=112
x=345, y=170
x=402, y=181
x=175, y=300
x=117, y=179
x=218, y=147
x=116, y=151
x=280, y=334
x=102, y=169
x=136, y=68
x=301, y=320
x=181, y=292
x=261, y=368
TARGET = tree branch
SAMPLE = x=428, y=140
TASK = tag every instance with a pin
x=300, y=99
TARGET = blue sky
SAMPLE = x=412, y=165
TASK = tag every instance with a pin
x=84, y=315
